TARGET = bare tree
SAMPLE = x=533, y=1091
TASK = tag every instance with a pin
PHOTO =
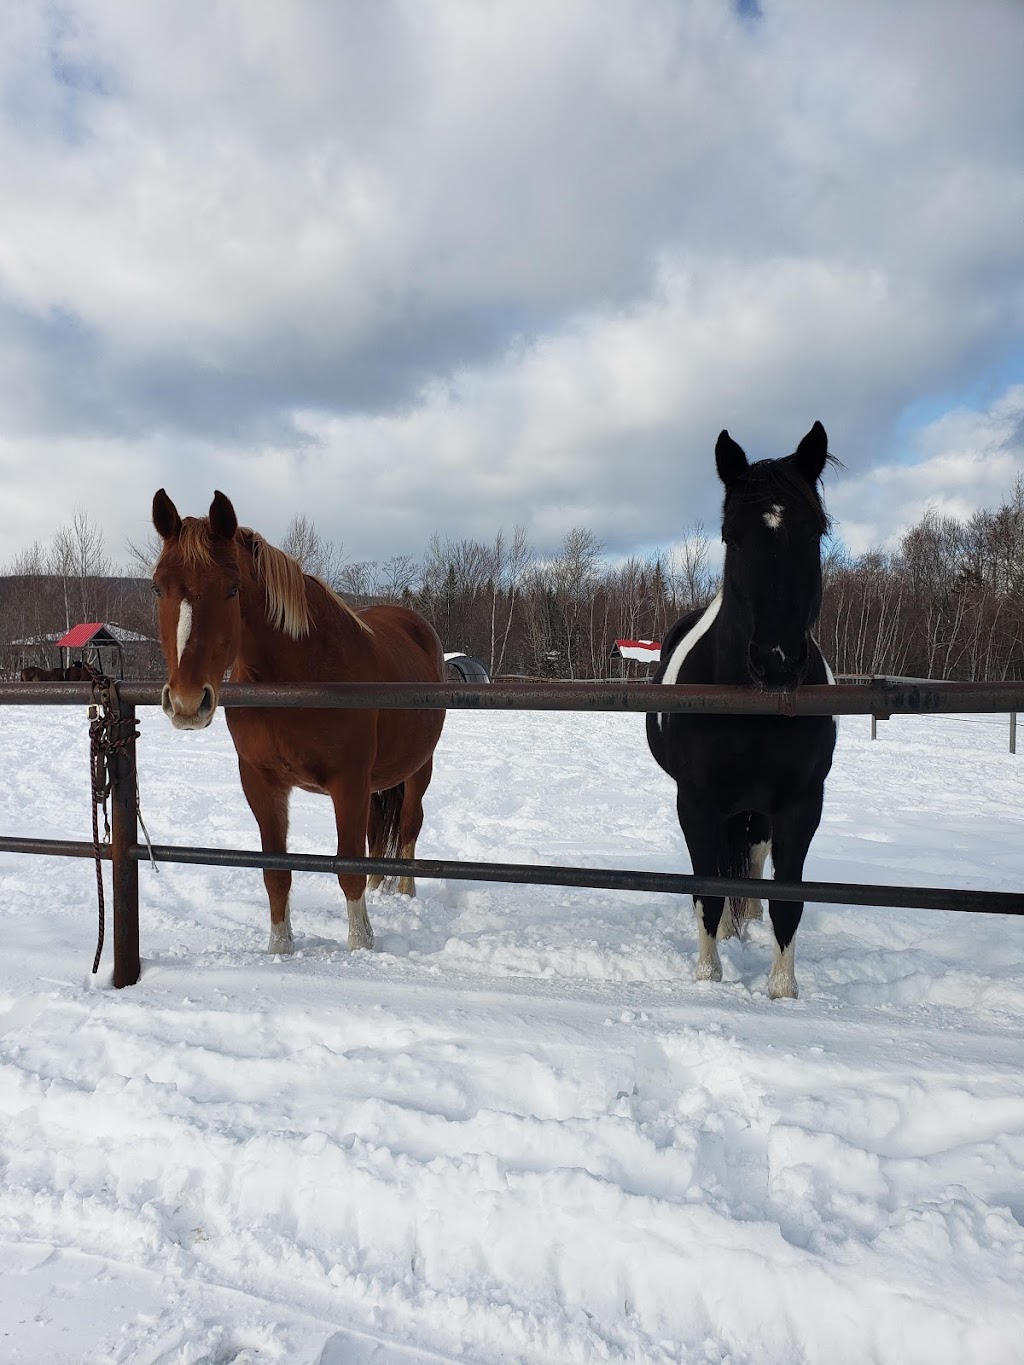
x=76, y=557
x=690, y=575
x=398, y=577
x=144, y=555
x=358, y=579
x=29, y=562
x=510, y=561
x=316, y=555
x=302, y=541
x=574, y=574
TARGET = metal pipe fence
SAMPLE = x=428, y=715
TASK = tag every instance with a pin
x=878, y=699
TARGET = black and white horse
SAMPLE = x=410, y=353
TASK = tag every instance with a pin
x=750, y=785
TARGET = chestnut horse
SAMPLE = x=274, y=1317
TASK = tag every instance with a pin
x=230, y=600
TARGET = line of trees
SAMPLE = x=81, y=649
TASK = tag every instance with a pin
x=947, y=603
x=49, y=587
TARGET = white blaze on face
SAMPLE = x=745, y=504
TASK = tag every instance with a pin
x=184, y=625
x=773, y=519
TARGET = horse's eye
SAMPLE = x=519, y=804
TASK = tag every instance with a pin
x=233, y=590
x=158, y=590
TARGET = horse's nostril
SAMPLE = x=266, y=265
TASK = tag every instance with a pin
x=206, y=702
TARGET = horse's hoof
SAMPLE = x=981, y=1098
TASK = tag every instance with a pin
x=360, y=938
x=407, y=886
x=374, y=883
x=782, y=986
x=708, y=971
x=360, y=934
x=727, y=927
x=280, y=943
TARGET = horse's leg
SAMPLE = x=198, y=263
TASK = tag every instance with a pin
x=757, y=844
x=352, y=816
x=792, y=832
x=268, y=801
x=411, y=821
x=703, y=838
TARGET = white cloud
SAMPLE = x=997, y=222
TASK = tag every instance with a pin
x=453, y=265
x=965, y=461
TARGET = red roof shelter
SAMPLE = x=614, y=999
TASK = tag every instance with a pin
x=92, y=637
x=641, y=651
x=78, y=636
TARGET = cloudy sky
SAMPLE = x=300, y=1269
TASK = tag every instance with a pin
x=447, y=265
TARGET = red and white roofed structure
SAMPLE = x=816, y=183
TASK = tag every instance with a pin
x=637, y=652
x=92, y=638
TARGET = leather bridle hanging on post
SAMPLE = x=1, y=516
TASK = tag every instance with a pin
x=111, y=740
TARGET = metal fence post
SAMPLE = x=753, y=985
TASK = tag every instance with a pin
x=1013, y=732
x=124, y=832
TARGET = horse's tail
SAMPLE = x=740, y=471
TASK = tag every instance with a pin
x=748, y=839
x=385, y=821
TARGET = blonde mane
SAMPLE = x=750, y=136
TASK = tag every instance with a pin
x=282, y=577
x=285, y=585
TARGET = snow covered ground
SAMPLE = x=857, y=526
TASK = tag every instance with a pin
x=518, y=1131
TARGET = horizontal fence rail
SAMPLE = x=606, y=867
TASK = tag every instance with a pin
x=612, y=879
x=880, y=699
x=54, y=848
x=544, y=874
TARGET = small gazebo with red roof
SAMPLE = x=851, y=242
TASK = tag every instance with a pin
x=640, y=651
x=637, y=651
x=92, y=637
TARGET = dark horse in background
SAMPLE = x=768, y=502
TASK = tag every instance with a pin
x=750, y=785
x=230, y=600
x=75, y=673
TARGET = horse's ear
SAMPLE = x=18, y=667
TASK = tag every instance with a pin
x=730, y=458
x=811, y=454
x=223, y=522
x=165, y=515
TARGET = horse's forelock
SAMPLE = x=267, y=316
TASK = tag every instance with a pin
x=195, y=541
x=770, y=480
